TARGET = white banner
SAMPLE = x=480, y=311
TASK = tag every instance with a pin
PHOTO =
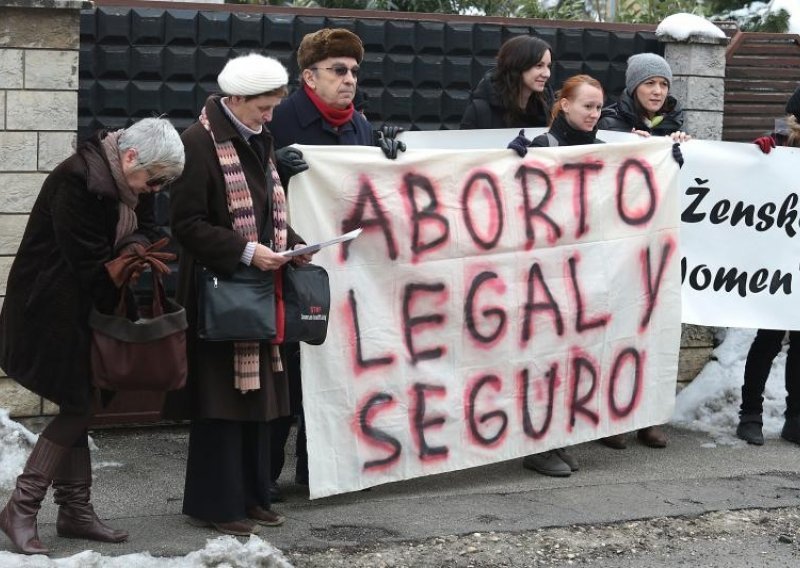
x=740, y=246
x=493, y=307
x=739, y=254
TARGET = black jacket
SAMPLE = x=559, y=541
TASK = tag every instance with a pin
x=621, y=116
x=297, y=121
x=565, y=135
x=486, y=110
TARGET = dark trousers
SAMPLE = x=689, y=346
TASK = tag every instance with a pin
x=279, y=428
x=227, y=470
x=765, y=347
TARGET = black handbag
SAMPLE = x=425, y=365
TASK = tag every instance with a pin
x=240, y=307
x=306, y=303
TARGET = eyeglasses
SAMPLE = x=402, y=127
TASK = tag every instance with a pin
x=159, y=181
x=340, y=70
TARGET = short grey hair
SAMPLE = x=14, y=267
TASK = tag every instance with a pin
x=157, y=143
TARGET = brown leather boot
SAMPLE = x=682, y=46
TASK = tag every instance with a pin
x=617, y=441
x=18, y=518
x=653, y=437
x=76, y=516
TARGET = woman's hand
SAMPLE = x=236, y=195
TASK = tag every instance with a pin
x=679, y=137
x=302, y=259
x=266, y=259
x=642, y=133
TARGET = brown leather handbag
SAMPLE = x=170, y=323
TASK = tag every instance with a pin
x=148, y=354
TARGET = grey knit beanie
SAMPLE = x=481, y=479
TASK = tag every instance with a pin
x=793, y=106
x=642, y=66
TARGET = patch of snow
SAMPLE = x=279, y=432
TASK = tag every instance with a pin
x=684, y=26
x=16, y=442
x=711, y=401
x=222, y=551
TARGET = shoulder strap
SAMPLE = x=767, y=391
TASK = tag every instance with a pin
x=551, y=140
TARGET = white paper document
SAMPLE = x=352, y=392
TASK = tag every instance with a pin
x=310, y=249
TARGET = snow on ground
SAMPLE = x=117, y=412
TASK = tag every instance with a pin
x=711, y=401
x=224, y=551
x=16, y=442
x=682, y=26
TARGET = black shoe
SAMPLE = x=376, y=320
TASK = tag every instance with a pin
x=547, y=463
x=275, y=495
x=749, y=429
x=791, y=429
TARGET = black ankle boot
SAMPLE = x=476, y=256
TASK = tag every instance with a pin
x=749, y=429
x=791, y=429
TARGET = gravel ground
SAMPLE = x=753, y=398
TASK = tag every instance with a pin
x=753, y=537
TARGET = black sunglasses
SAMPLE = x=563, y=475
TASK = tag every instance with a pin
x=159, y=181
x=340, y=70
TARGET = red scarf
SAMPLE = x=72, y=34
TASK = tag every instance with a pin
x=334, y=116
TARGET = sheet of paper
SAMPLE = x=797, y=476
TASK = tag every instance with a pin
x=310, y=249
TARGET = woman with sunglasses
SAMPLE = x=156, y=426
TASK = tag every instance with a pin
x=92, y=207
x=516, y=93
x=320, y=112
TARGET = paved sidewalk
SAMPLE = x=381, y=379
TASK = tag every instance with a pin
x=141, y=484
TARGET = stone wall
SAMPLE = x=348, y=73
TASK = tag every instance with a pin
x=698, y=69
x=39, y=43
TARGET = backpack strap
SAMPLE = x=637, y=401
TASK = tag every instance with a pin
x=551, y=140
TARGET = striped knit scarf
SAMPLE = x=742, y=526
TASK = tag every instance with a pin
x=246, y=358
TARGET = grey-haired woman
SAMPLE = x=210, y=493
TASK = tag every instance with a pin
x=87, y=211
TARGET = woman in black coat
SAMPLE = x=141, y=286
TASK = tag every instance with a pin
x=573, y=122
x=769, y=342
x=516, y=93
x=646, y=108
x=85, y=214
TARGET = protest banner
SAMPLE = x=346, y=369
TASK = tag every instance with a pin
x=740, y=248
x=493, y=306
x=739, y=255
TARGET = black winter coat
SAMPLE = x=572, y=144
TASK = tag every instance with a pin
x=486, y=110
x=565, y=135
x=297, y=121
x=622, y=117
x=203, y=226
x=59, y=273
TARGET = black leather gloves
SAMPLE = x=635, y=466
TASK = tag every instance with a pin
x=677, y=155
x=391, y=147
x=290, y=162
x=391, y=131
x=520, y=144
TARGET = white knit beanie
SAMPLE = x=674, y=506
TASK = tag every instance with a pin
x=642, y=66
x=252, y=74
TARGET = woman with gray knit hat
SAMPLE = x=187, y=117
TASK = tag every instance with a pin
x=645, y=107
x=229, y=209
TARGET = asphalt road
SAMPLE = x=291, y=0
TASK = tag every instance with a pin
x=140, y=489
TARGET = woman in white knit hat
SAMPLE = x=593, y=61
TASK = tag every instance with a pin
x=227, y=210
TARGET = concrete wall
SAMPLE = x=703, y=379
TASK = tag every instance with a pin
x=698, y=69
x=39, y=43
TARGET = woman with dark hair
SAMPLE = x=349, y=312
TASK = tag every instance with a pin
x=769, y=342
x=573, y=121
x=516, y=93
